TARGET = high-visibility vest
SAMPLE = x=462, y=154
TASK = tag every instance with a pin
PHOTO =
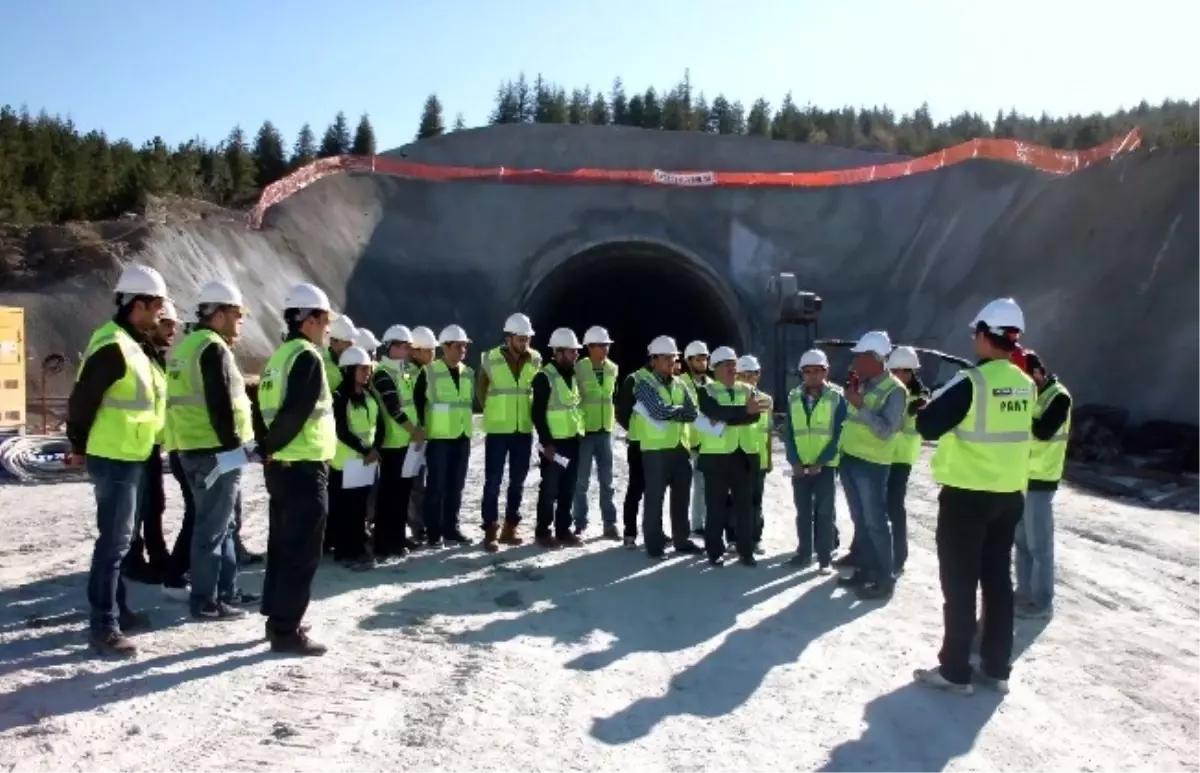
x=509, y=402
x=596, y=394
x=395, y=435
x=187, y=409
x=127, y=424
x=333, y=374
x=637, y=375
x=317, y=439
x=1048, y=458
x=160, y=406
x=747, y=437
x=908, y=445
x=813, y=432
x=671, y=435
x=363, y=421
x=857, y=440
x=564, y=415
x=990, y=448
x=691, y=437
x=763, y=427
x=447, y=407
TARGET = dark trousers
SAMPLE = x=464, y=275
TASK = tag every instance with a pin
x=391, y=506
x=181, y=553
x=760, y=489
x=117, y=485
x=975, y=533
x=671, y=469
x=556, y=492
x=346, y=529
x=514, y=449
x=814, y=499
x=298, y=510
x=149, y=544
x=416, y=507
x=897, y=488
x=635, y=488
x=729, y=481
x=446, y=474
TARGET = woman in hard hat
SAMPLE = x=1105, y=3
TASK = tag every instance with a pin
x=904, y=363
x=360, y=433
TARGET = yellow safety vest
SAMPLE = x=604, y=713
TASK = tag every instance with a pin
x=333, y=374
x=509, y=402
x=908, y=446
x=564, y=415
x=814, y=432
x=187, y=410
x=857, y=439
x=597, y=394
x=990, y=448
x=127, y=424
x=447, y=408
x=363, y=421
x=1048, y=458
x=691, y=437
x=317, y=440
x=747, y=437
x=395, y=435
x=763, y=427
x=160, y=406
x=640, y=373
x=670, y=436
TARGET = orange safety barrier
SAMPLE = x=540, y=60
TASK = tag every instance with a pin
x=1058, y=162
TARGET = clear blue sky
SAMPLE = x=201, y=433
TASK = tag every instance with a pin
x=137, y=68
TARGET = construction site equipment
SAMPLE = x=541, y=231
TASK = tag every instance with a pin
x=12, y=370
x=794, y=309
x=38, y=459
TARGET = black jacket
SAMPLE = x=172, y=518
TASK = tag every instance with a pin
x=389, y=395
x=626, y=398
x=304, y=383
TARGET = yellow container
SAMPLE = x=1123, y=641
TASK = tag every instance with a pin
x=12, y=369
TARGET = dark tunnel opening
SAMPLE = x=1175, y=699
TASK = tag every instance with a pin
x=637, y=291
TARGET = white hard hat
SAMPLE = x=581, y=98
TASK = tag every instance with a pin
x=999, y=314
x=695, y=348
x=663, y=345
x=596, y=335
x=307, y=296
x=722, y=354
x=189, y=316
x=168, y=311
x=354, y=356
x=343, y=329
x=903, y=358
x=366, y=339
x=814, y=358
x=452, y=334
x=564, y=338
x=423, y=338
x=220, y=292
x=518, y=325
x=398, y=334
x=748, y=363
x=875, y=342
x=137, y=279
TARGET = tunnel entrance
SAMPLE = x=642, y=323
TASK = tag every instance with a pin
x=638, y=290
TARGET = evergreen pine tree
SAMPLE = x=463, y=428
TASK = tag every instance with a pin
x=305, y=149
x=431, y=119
x=364, y=138
x=336, y=141
x=269, y=160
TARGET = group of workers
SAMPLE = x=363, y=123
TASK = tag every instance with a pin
x=347, y=424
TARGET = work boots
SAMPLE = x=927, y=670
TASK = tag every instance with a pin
x=489, y=538
x=508, y=535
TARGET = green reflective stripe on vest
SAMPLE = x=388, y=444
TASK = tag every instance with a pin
x=857, y=439
x=395, y=435
x=563, y=414
x=596, y=394
x=187, y=408
x=127, y=422
x=813, y=433
x=362, y=421
x=670, y=436
x=1048, y=458
x=509, y=402
x=908, y=445
x=990, y=449
x=746, y=437
x=317, y=440
x=448, y=408
x=333, y=374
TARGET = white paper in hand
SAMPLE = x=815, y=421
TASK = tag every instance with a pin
x=559, y=459
x=227, y=461
x=414, y=460
x=358, y=474
x=645, y=414
x=708, y=426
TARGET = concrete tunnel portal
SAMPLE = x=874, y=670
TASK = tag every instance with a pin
x=637, y=289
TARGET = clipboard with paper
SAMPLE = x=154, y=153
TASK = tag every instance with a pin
x=414, y=461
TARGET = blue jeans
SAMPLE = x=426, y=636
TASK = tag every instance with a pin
x=118, y=488
x=865, y=484
x=214, y=560
x=445, y=476
x=598, y=446
x=814, y=498
x=897, y=490
x=1035, y=549
x=516, y=449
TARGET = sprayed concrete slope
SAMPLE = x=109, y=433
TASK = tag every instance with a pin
x=1104, y=261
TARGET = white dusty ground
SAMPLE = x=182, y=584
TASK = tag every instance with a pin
x=599, y=659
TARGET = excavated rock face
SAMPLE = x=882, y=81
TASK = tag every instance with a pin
x=1103, y=261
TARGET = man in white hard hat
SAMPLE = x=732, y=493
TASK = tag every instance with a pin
x=366, y=340
x=505, y=389
x=297, y=442
x=749, y=372
x=904, y=363
x=443, y=395
x=210, y=413
x=729, y=451
x=815, y=418
x=342, y=333
x=1035, y=534
x=874, y=417
x=558, y=419
x=393, y=384
x=596, y=377
x=695, y=377
x=664, y=407
x=420, y=354
x=114, y=415
x=982, y=420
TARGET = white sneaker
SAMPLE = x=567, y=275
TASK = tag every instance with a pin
x=990, y=682
x=932, y=677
